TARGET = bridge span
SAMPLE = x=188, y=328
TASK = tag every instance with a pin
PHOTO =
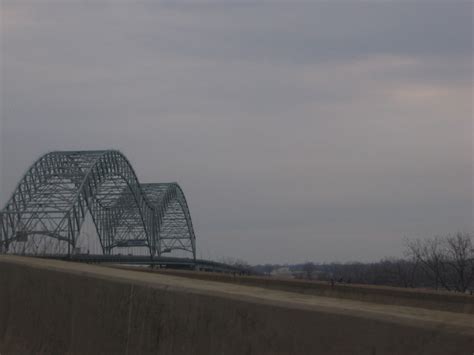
x=63, y=189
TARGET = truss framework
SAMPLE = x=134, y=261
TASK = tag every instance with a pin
x=48, y=207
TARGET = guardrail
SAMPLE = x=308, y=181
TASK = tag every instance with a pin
x=164, y=262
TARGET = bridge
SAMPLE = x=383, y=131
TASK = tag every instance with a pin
x=134, y=223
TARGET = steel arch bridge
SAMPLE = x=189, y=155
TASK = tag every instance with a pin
x=45, y=214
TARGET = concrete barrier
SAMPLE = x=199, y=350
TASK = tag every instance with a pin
x=53, y=307
x=422, y=298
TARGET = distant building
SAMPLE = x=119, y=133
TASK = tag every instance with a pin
x=282, y=273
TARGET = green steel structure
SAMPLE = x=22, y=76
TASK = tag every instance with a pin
x=45, y=214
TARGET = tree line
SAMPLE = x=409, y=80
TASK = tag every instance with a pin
x=441, y=262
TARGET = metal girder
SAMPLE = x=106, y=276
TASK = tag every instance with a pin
x=49, y=205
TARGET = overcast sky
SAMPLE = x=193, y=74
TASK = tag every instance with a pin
x=298, y=130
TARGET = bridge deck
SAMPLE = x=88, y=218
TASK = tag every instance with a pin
x=167, y=262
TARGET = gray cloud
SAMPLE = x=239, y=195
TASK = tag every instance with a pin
x=308, y=131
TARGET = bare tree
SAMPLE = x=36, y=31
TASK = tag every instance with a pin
x=309, y=269
x=460, y=258
x=432, y=256
x=405, y=271
x=448, y=260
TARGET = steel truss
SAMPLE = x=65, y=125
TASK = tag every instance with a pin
x=47, y=209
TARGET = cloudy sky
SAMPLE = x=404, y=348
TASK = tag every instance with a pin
x=298, y=130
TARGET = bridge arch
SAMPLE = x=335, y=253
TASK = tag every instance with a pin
x=50, y=203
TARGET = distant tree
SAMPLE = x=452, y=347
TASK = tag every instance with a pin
x=447, y=260
x=397, y=272
x=407, y=271
x=309, y=269
x=236, y=262
x=460, y=258
x=431, y=254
